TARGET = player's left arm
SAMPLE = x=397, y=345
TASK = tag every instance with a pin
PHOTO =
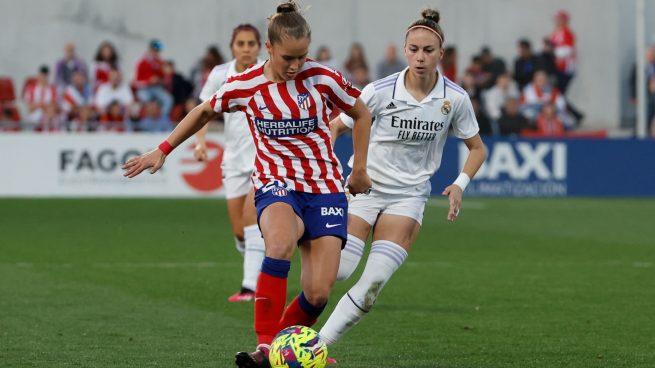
x=465, y=126
x=359, y=181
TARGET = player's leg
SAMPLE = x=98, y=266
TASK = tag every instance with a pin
x=255, y=250
x=325, y=235
x=394, y=232
x=281, y=228
x=235, y=213
x=363, y=210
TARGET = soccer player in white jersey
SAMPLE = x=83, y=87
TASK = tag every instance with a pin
x=299, y=196
x=412, y=112
x=238, y=161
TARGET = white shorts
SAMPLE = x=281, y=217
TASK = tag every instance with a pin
x=368, y=207
x=237, y=184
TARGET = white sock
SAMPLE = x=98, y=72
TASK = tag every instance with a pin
x=385, y=258
x=254, y=256
x=350, y=257
x=240, y=245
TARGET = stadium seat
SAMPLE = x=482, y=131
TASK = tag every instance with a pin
x=7, y=93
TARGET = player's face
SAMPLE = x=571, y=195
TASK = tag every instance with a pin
x=288, y=56
x=245, y=48
x=423, y=52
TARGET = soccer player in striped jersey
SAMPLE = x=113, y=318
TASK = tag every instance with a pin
x=412, y=112
x=238, y=161
x=299, y=195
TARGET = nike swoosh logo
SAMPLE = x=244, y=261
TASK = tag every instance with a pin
x=260, y=298
x=329, y=226
x=262, y=108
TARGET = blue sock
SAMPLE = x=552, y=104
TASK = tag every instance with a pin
x=308, y=307
x=276, y=267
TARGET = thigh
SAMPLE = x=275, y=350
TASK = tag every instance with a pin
x=249, y=210
x=358, y=227
x=281, y=228
x=401, y=230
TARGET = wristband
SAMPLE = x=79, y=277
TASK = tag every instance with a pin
x=166, y=147
x=462, y=181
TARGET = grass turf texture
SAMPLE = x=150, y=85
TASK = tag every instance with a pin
x=513, y=283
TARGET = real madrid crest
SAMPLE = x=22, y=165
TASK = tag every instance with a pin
x=446, y=107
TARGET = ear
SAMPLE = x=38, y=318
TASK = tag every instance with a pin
x=269, y=47
x=441, y=53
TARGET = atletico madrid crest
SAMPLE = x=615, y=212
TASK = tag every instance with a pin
x=304, y=102
x=280, y=192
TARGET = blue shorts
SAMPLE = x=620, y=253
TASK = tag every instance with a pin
x=322, y=214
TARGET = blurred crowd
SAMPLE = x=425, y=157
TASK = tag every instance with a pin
x=528, y=97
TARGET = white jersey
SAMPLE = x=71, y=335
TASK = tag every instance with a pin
x=240, y=152
x=407, y=136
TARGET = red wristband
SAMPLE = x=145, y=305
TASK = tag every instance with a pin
x=166, y=147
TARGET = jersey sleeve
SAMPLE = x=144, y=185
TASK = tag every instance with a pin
x=214, y=82
x=464, y=123
x=336, y=88
x=230, y=97
x=370, y=99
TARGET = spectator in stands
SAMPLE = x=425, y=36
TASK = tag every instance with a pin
x=51, y=120
x=494, y=98
x=113, y=91
x=324, y=56
x=77, y=95
x=492, y=66
x=7, y=121
x=549, y=123
x=176, y=84
x=154, y=119
x=204, y=66
x=83, y=121
x=540, y=92
x=114, y=119
x=475, y=69
x=563, y=41
x=359, y=77
x=67, y=65
x=470, y=86
x=650, y=62
x=511, y=122
x=356, y=60
x=390, y=64
x=483, y=120
x=525, y=64
x=448, y=66
x=546, y=59
x=149, y=78
x=39, y=95
x=106, y=59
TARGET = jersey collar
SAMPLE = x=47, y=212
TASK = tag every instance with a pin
x=400, y=92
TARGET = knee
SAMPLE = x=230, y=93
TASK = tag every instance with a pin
x=279, y=249
x=318, y=296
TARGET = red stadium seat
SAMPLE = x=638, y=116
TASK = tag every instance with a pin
x=7, y=93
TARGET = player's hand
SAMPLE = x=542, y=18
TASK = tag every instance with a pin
x=152, y=160
x=200, y=152
x=454, y=194
x=359, y=182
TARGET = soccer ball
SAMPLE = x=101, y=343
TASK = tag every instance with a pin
x=298, y=347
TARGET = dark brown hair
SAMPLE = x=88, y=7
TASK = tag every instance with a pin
x=430, y=20
x=287, y=22
x=246, y=27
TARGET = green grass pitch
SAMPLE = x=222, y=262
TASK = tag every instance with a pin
x=513, y=283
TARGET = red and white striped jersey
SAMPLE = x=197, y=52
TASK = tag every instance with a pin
x=74, y=98
x=40, y=94
x=289, y=123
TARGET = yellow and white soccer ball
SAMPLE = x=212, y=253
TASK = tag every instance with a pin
x=298, y=347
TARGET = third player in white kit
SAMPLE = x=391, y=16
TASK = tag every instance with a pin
x=238, y=161
x=412, y=111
